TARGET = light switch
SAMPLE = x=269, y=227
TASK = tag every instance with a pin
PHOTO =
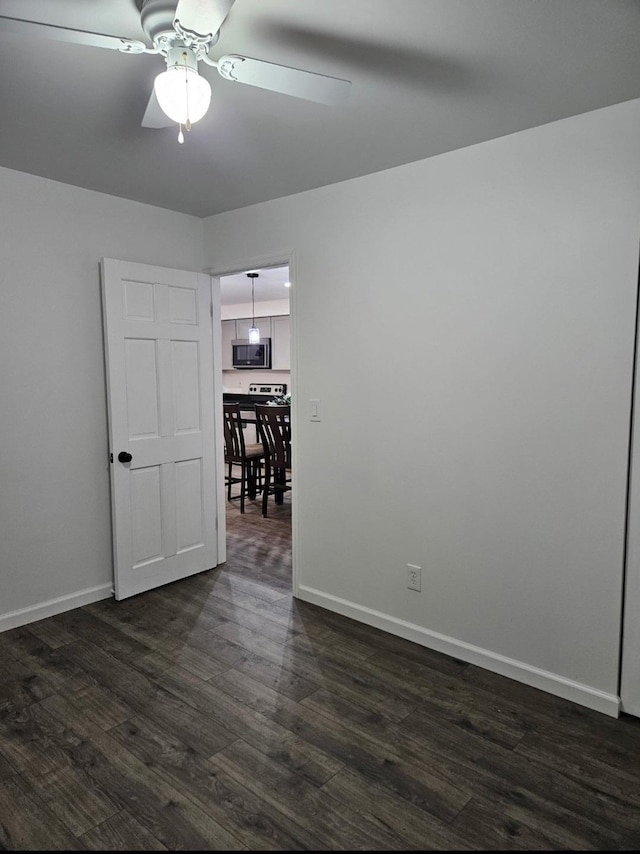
x=314, y=410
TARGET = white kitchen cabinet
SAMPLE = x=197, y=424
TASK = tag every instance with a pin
x=280, y=347
x=277, y=328
x=228, y=335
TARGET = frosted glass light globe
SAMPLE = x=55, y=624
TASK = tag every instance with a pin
x=183, y=95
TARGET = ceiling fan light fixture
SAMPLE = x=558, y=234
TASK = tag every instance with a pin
x=183, y=95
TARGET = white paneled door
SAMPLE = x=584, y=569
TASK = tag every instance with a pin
x=159, y=364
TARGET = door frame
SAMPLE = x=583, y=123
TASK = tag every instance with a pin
x=273, y=259
x=629, y=676
x=216, y=355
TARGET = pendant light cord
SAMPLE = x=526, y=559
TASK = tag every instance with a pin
x=254, y=334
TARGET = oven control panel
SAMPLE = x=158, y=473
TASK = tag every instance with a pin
x=269, y=389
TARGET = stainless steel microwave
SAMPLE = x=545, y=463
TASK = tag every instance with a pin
x=247, y=355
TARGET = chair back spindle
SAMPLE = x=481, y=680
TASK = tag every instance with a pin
x=236, y=452
x=274, y=429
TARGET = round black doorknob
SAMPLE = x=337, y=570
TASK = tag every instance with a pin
x=124, y=457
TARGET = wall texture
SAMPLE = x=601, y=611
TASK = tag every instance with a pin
x=55, y=525
x=467, y=322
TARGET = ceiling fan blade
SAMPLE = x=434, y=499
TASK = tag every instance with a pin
x=281, y=78
x=154, y=117
x=202, y=17
x=33, y=29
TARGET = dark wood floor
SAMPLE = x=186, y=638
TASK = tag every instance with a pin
x=218, y=713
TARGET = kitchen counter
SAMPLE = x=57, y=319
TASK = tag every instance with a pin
x=243, y=399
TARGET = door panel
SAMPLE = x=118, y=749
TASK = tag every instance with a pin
x=159, y=359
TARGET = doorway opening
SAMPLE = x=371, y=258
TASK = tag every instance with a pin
x=261, y=301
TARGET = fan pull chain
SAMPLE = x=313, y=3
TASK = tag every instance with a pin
x=180, y=135
x=186, y=86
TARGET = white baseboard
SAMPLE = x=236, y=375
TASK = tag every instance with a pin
x=54, y=606
x=584, y=695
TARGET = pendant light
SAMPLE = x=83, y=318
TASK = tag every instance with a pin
x=254, y=332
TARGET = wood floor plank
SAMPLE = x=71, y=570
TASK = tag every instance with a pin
x=465, y=756
x=70, y=794
x=24, y=745
x=72, y=790
x=471, y=756
x=569, y=758
x=417, y=829
x=162, y=809
x=425, y=786
x=20, y=684
x=262, y=668
x=250, y=602
x=524, y=789
x=329, y=641
x=316, y=620
x=27, y=825
x=183, y=611
x=237, y=584
x=256, y=823
x=218, y=712
x=449, y=696
x=276, y=630
x=214, y=610
x=99, y=706
x=120, y=833
x=612, y=741
x=88, y=627
x=6, y=768
x=255, y=573
x=257, y=729
x=544, y=706
x=333, y=667
x=335, y=823
x=141, y=626
x=502, y=832
x=51, y=633
x=146, y=696
x=198, y=662
x=55, y=668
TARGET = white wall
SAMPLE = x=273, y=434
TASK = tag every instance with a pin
x=55, y=527
x=266, y=308
x=504, y=472
x=467, y=322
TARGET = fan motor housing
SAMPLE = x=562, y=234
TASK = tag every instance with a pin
x=156, y=20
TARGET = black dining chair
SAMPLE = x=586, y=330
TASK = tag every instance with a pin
x=274, y=430
x=248, y=456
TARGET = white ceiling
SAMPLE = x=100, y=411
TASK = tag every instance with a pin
x=269, y=285
x=428, y=76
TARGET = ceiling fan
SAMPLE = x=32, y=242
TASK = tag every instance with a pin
x=183, y=32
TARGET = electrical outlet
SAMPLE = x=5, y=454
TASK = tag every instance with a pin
x=414, y=577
